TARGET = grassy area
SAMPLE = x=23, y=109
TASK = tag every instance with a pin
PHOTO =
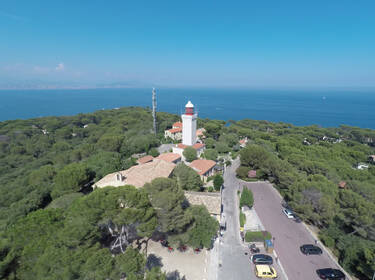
x=257, y=236
x=242, y=219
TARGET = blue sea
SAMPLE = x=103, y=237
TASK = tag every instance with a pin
x=329, y=108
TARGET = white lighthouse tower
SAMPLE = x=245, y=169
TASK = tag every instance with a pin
x=189, y=125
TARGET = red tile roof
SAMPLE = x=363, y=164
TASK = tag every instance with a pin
x=196, y=146
x=342, y=184
x=170, y=157
x=202, y=165
x=175, y=130
x=177, y=125
x=145, y=159
x=252, y=174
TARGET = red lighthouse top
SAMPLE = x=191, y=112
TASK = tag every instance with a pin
x=189, y=108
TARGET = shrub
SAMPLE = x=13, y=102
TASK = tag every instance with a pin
x=218, y=182
x=257, y=236
x=242, y=219
x=210, y=189
x=247, y=198
x=242, y=171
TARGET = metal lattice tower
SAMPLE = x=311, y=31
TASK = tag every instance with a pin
x=154, y=108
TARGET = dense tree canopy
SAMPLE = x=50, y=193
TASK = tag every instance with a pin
x=47, y=165
x=190, y=154
x=187, y=178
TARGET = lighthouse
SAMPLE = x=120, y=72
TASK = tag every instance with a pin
x=189, y=125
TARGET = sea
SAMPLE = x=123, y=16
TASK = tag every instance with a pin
x=325, y=108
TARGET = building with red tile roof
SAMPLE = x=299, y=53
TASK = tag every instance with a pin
x=177, y=125
x=170, y=157
x=137, y=175
x=145, y=159
x=204, y=167
x=342, y=185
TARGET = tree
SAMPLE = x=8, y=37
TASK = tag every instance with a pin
x=204, y=229
x=210, y=154
x=218, y=181
x=247, y=198
x=167, y=198
x=187, y=178
x=72, y=178
x=210, y=143
x=190, y=154
x=222, y=147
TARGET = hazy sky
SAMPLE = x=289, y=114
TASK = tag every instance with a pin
x=267, y=43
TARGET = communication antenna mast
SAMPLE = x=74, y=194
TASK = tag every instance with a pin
x=154, y=109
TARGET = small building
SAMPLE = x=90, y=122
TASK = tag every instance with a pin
x=243, y=142
x=170, y=157
x=179, y=149
x=252, y=174
x=174, y=133
x=362, y=166
x=204, y=167
x=145, y=159
x=200, y=133
x=342, y=185
x=212, y=201
x=137, y=175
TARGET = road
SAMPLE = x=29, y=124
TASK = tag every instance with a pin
x=235, y=265
x=289, y=235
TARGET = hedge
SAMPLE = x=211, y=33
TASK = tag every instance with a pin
x=242, y=219
x=257, y=236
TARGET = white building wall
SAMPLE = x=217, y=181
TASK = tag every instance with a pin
x=189, y=129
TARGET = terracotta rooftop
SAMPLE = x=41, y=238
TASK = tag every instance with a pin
x=170, y=157
x=342, y=184
x=177, y=125
x=138, y=175
x=200, y=132
x=175, y=130
x=196, y=146
x=252, y=174
x=145, y=159
x=202, y=165
x=212, y=201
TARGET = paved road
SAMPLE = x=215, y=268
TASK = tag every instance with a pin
x=235, y=265
x=288, y=234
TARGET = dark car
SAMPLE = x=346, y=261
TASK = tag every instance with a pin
x=261, y=259
x=309, y=249
x=330, y=273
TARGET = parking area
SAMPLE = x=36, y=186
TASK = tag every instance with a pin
x=189, y=264
x=289, y=235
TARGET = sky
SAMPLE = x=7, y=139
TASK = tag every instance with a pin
x=264, y=43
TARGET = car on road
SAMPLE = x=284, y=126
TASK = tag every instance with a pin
x=261, y=259
x=309, y=249
x=265, y=271
x=330, y=273
x=289, y=213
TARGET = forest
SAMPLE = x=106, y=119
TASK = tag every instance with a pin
x=53, y=226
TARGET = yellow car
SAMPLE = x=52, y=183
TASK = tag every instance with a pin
x=265, y=271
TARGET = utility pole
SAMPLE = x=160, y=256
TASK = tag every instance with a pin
x=154, y=109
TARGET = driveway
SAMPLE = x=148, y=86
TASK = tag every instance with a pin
x=289, y=235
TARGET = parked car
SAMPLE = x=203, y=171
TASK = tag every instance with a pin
x=309, y=249
x=265, y=271
x=330, y=273
x=289, y=213
x=261, y=259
